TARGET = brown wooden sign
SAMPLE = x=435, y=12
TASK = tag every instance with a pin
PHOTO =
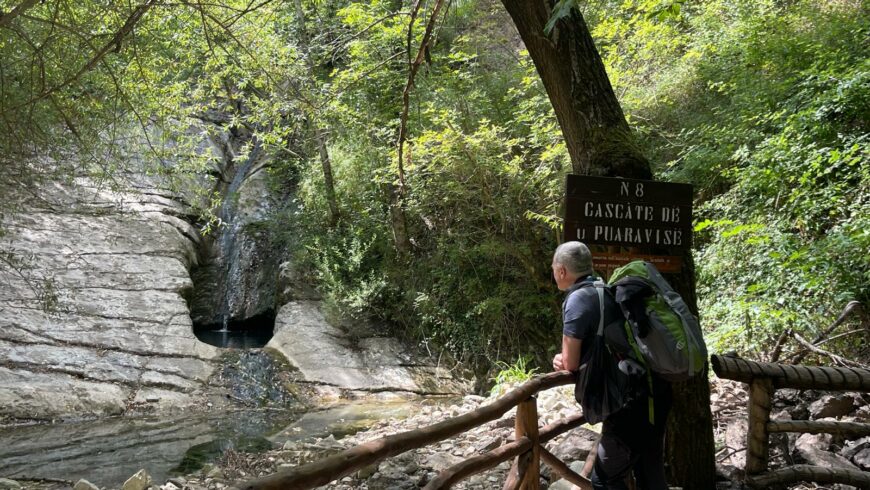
x=629, y=219
x=607, y=259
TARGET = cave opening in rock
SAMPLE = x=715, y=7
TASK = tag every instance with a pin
x=250, y=333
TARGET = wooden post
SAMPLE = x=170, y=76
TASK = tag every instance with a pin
x=760, y=399
x=527, y=426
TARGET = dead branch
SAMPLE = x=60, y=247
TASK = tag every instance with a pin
x=851, y=306
x=834, y=357
x=780, y=341
x=841, y=335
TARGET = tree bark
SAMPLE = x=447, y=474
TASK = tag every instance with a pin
x=319, y=134
x=596, y=133
x=600, y=142
x=326, y=165
x=690, y=448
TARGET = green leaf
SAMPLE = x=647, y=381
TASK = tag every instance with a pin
x=561, y=10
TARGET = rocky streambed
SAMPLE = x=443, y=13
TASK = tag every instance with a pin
x=413, y=469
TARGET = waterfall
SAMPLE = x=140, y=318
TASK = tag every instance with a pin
x=229, y=230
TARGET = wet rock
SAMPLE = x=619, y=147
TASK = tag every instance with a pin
x=7, y=484
x=239, y=266
x=140, y=481
x=832, y=406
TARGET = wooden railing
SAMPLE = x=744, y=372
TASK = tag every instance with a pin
x=764, y=379
x=527, y=449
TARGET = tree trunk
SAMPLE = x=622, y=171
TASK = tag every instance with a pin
x=318, y=133
x=596, y=133
x=600, y=142
x=690, y=449
x=326, y=164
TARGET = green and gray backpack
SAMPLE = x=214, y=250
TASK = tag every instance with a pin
x=663, y=333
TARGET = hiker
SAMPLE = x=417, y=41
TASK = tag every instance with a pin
x=628, y=440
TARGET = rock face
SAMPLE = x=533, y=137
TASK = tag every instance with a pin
x=339, y=365
x=93, y=314
x=237, y=279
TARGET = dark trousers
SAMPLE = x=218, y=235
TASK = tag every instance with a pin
x=629, y=442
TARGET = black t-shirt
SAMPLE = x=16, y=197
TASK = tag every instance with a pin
x=580, y=315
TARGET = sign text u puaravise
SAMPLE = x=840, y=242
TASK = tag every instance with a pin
x=636, y=235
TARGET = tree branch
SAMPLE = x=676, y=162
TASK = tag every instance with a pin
x=834, y=357
x=5, y=19
x=850, y=307
x=414, y=66
x=113, y=44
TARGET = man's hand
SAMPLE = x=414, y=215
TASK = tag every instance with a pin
x=557, y=362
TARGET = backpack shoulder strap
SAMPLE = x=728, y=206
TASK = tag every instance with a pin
x=599, y=288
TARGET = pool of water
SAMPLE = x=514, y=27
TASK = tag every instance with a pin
x=107, y=452
x=235, y=339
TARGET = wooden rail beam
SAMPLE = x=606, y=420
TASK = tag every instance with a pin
x=803, y=472
x=479, y=464
x=792, y=376
x=320, y=472
x=855, y=429
x=560, y=468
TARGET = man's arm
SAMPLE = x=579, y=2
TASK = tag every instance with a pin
x=569, y=358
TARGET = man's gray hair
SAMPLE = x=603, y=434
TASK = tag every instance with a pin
x=575, y=256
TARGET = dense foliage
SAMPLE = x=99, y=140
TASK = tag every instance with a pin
x=762, y=105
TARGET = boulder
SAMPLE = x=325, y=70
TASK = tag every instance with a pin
x=140, y=481
x=338, y=361
x=574, y=446
x=851, y=448
x=813, y=448
x=7, y=484
x=832, y=406
x=85, y=485
x=862, y=459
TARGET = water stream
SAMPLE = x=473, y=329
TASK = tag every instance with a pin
x=107, y=452
x=229, y=232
